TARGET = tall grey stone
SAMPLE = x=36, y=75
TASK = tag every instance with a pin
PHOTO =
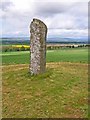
x=38, y=32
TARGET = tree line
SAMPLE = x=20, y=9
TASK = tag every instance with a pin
x=48, y=47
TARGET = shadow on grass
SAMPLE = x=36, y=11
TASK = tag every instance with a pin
x=44, y=76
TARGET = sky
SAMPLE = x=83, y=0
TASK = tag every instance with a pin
x=63, y=19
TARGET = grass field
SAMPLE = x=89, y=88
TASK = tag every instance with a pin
x=64, y=55
x=61, y=92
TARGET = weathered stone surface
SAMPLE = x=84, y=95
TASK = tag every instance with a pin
x=38, y=32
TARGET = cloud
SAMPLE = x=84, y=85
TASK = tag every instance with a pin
x=77, y=33
x=51, y=8
x=63, y=15
x=60, y=17
x=5, y=5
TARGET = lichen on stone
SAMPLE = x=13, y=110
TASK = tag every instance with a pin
x=38, y=32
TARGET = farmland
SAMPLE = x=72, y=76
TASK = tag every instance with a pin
x=61, y=92
x=62, y=55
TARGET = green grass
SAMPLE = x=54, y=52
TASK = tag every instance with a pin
x=61, y=92
x=63, y=55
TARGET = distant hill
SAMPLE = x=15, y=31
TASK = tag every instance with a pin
x=26, y=40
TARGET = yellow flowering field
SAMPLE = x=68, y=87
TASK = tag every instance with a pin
x=19, y=46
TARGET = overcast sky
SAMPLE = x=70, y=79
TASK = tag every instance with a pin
x=64, y=19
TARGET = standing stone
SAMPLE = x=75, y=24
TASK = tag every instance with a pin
x=38, y=32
